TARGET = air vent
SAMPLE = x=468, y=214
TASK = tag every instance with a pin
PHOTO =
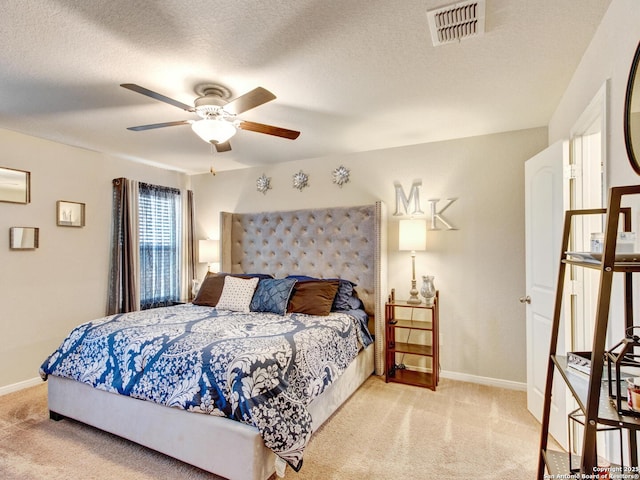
x=456, y=22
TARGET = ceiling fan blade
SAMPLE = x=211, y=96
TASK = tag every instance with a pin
x=249, y=100
x=159, y=125
x=269, y=130
x=223, y=147
x=157, y=96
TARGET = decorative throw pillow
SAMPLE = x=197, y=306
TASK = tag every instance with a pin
x=272, y=295
x=344, y=297
x=237, y=293
x=313, y=297
x=210, y=291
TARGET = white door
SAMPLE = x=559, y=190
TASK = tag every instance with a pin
x=544, y=212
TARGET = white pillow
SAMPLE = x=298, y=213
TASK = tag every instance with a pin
x=237, y=293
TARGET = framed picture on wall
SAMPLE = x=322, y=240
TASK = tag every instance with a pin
x=15, y=185
x=24, y=238
x=69, y=214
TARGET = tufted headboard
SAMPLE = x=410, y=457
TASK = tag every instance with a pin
x=344, y=242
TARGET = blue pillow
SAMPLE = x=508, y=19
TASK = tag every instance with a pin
x=302, y=278
x=272, y=295
x=346, y=298
x=246, y=275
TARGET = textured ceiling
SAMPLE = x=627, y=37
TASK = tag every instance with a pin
x=351, y=75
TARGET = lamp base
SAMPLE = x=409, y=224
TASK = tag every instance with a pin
x=414, y=299
x=413, y=293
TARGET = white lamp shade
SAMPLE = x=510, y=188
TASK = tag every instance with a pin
x=412, y=235
x=208, y=251
x=212, y=130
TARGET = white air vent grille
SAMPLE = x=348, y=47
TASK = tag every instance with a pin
x=456, y=22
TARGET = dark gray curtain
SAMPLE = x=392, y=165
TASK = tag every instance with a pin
x=122, y=295
x=132, y=257
x=190, y=242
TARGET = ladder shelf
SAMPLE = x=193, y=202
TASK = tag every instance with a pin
x=589, y=390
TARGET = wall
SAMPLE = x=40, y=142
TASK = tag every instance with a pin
x=479, y=268
x=46, y=292
x=609, y=57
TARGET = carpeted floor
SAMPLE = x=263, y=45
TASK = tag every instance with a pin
x=384, y=431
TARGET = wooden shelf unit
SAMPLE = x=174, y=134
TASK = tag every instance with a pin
x=396, y=322
x=591, y=391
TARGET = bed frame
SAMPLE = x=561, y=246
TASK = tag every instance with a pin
x=335, y=242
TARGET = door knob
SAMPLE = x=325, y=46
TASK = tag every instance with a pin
x=526, y=299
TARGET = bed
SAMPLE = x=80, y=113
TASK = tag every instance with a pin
x=334, y=243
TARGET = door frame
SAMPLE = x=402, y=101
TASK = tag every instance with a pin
x=588, y=187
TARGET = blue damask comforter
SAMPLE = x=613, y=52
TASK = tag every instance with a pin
x=261, y=369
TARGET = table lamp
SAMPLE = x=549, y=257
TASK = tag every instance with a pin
x=209, y=252
x=412, y=236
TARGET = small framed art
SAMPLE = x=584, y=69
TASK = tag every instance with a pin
x=69, y=214
x=24, y=238
x=15, y=185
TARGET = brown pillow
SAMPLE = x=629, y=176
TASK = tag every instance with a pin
x=313, y=297
x=210, y=290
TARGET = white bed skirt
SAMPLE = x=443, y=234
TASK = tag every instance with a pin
x=215, y=444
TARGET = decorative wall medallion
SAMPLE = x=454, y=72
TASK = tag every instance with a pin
x=341, y=176
x=300, y=180
x=263, y=183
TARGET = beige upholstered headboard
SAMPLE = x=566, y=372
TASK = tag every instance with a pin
x=344, y=242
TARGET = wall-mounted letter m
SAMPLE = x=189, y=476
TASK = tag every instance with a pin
x=402, y=200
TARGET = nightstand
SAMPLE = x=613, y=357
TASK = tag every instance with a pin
x=412, y=333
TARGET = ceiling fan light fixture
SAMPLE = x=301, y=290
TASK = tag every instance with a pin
x=213, y=130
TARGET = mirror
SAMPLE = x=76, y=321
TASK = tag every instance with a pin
x=23, y=238
x=15, y=186
x=632, y=114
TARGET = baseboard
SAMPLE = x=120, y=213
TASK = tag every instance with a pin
x=462, y=377
x=20, y=385
x=492, y=382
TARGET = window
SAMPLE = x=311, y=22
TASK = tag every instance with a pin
x=159, y=222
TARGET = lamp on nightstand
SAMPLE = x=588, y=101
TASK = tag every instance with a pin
x=209, y=252
x=412, y=236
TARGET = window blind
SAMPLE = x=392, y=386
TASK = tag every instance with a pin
x=160, y=244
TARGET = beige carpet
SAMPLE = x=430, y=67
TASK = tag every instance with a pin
x=385, y=431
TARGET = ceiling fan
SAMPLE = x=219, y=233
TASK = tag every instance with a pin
x=218, y=115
